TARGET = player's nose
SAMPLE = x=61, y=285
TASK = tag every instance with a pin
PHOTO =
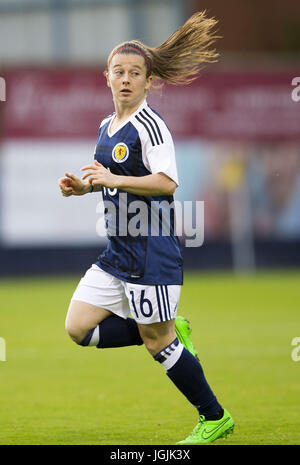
x=126, y=78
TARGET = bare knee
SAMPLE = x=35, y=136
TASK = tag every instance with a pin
x=81, y=318
x=75, y=332
x=152, y=345
x=157, y=336
x=155, y=345
x=73, y=326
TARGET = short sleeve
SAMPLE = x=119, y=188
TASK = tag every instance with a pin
x=158, y=150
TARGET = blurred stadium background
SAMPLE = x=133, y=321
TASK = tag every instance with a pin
x=237, y=138
x=236, y=129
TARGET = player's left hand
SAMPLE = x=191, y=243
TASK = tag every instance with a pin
x=97, y=174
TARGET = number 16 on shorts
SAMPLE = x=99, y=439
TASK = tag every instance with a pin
x=153, y=304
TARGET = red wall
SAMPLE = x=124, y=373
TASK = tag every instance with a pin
x=52, y=103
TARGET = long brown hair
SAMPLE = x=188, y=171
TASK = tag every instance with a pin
x=179, y=59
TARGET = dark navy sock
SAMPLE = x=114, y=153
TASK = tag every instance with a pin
x=118, y=332
x=187, y=375
x=114, y=331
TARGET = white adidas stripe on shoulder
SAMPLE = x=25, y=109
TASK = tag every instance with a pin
x=153, y=124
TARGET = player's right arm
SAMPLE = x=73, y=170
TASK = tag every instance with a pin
x=73, y=185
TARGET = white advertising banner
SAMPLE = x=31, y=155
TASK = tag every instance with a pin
x=33, y=211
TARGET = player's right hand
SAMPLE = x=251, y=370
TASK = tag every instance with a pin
x=72, y=185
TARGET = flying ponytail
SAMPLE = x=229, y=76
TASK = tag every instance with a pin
x=180, y=58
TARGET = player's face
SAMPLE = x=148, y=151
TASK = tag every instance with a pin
x=127, y=79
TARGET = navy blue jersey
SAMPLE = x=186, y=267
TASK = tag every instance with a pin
x=142, y=245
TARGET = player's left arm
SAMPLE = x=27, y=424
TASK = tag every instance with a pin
x=149, y=185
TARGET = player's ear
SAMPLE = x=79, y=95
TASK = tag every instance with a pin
x=148, y=83
x=106, y=74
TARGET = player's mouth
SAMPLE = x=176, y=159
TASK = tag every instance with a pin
x=125, y=91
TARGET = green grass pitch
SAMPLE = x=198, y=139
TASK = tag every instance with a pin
x=55, y=392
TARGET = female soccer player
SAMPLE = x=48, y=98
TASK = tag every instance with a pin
x=140, y=272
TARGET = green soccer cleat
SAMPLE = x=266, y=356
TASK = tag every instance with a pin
x=208, y=431
x=183, y=333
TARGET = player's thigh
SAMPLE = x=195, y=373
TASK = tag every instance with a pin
x=81, y=317
x=97, y=296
